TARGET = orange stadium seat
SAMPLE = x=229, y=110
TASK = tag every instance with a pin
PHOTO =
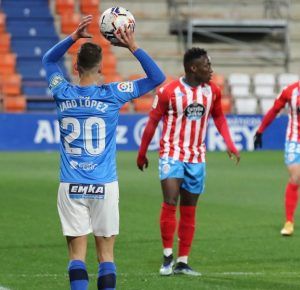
x=64, y=6
x=8, y=63
x=125, y=108
x=109, y=78
x=143, y=104
x=219, y=80
x=69, y=22
x=2, y=22
x=100, y=40
x=226, y=105
x=11, y=84
x=109, y=64
x=168, y=79
x=5, y=42
x=16, y=104
x=94, y=26
x=133, y=77
x=89, y=6
x=75, y=47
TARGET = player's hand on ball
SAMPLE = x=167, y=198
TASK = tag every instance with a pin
x=142, y=162
x=80, y=31
x=126, y=39
x=257, y=140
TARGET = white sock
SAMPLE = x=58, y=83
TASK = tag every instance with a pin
x=168, y=252
x=182, y=259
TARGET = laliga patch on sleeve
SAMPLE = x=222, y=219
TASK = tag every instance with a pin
x=55, y=81
x=155, y=102
x=125, y=87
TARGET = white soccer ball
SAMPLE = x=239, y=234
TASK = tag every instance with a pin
x=113, y=19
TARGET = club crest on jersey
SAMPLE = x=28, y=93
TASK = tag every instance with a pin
x=194, y=111
x=55, y=81
x=125, y=87
x=87, y=191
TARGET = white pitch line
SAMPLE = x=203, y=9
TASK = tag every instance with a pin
x=3, y=288
x=154, y=274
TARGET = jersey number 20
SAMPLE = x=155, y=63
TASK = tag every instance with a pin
x=92, y=146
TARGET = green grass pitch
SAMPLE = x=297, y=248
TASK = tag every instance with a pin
x=237, y=243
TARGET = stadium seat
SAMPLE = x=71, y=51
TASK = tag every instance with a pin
x=64, y=6
x=226, y=104
x=126, y=108
x=25, y=9
x=109, y=78
x=8, y=63
x=16, y=104
x=133, y=77
x=94, y=26
x=143, y=104
x=219, y=80
x=5, y=42
x=89, y=6
x=246, y=105
x=109, y=63
x=11, y=84
x=69, y=22
x=98, y=40
x=168, y=79
x=2, y=22
x=239, y=84
x=264, y=85
x=105, y=44
x=266, y=104
x=285, y=79
x=75, y=47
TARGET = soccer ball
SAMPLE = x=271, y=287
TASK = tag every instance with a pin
x=112, y=20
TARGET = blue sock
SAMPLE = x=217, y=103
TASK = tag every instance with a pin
x=107, y=276
x=79, y=279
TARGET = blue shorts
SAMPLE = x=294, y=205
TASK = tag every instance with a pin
x=292, y=153
x=193, y=174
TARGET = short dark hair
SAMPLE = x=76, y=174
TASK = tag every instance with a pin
x=89, y=55
x=192, y=54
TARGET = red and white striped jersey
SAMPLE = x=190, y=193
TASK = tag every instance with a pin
x=291, y=96
x=185, y=111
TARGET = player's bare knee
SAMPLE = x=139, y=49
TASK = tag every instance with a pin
x=171, y=200
x=295, y=179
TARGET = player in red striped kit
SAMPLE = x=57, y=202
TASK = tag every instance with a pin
x=291, y=96
x=184, y=105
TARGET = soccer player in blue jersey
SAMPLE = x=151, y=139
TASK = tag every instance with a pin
x=88, y=194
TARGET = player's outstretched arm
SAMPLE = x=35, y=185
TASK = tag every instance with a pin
x=54, y=54
x=221, y=124
x=142, y=160
x=155, y=76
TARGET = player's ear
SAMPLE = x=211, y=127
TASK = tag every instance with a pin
x=76, y=66
x=193, y=68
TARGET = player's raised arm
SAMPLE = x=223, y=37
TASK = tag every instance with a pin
x=53, y=55
x=155, y=76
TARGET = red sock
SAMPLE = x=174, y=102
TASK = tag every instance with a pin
x=186, y=229
x=168, y=224
x=291, y=199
